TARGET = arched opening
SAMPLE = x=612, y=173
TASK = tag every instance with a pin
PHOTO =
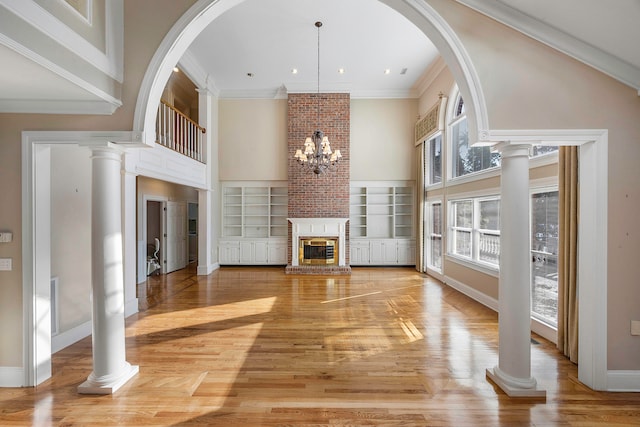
x=204, y=12
x=593, y=366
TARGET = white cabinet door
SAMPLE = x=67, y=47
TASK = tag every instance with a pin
x=390, y=249
x=229, y=252
x=384, y=252
x=360, y=253
x=406, y=253
x=277, y=253
x=377, y=252
x=260, y=252
x=246, y=252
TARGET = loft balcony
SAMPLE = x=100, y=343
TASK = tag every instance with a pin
x=179, y=133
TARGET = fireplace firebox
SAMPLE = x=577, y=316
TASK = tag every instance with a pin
x=318, y=251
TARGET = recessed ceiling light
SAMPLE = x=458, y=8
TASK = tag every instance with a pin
x=387, y=71
x=294, y=71
x=403, y=71
x=176, y=69
x=250, y=74
x=341, y=70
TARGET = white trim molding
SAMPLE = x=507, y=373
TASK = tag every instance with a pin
x=592, y=264
x=62, y=51
x=71, y=336
x=109, y=62
x=623, y=381
x=203, y=12
x=11, y=376
x=472, y=293
x=36, y=250
x=544, y=33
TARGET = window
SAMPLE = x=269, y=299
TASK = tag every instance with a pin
x=475, y=229
x=434, y=235
x=541, y=150
x=433, y=160
x=544, y=257
x=466, y=159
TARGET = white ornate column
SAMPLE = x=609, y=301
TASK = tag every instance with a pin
x=513, y=373
x=110, y=369
x=130, y=243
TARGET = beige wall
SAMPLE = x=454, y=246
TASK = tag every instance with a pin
x=382, y=139
x=253, y=136
x=253, y=139
x=528, y=85
x=146, y=24
x=71, y=233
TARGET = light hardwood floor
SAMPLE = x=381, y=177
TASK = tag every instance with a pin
x=253, y=347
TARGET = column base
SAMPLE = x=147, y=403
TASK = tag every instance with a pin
x=108, y=385
x=515, y=387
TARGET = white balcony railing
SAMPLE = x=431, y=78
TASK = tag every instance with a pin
x=178, y=132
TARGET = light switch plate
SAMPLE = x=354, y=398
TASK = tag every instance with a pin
x=635, y=327
x=5, y=264
x=6, y=236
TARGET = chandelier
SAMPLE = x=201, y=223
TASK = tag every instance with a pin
x=316, y=154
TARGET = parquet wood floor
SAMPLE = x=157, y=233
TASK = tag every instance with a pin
x=255, y=347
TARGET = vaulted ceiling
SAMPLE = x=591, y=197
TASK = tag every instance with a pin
x=252, y=49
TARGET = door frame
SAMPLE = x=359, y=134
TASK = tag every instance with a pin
x=142, y=243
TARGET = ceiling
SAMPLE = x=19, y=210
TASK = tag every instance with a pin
x=269, y=38
x=252, y=49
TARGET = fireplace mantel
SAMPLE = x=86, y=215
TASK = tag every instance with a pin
x=319, y=227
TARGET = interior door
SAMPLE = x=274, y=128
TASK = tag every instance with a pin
x=176, y=236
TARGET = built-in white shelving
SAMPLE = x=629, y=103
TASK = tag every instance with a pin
x=254, y=223
x=381, y=223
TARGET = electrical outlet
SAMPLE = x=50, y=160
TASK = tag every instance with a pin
x=5, y=264
x=635, y=327
x=6, y=236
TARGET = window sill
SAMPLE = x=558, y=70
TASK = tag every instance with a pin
x=475, y=265
x=545, y=330
x=475, y=176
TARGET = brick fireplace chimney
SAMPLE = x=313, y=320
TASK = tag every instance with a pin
x=325, y=195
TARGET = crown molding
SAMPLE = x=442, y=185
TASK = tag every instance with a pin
x=45, y=106
x=109, y=62
x=284, y=90
x=59, y=60
x=193, y=69
x=429, y=75
x=590, y=55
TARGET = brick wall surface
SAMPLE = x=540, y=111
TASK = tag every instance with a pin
x=325, y=195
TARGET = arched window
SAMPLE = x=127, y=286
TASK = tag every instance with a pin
x=466, y=159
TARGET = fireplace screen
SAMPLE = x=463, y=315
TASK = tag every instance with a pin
x=316, y=250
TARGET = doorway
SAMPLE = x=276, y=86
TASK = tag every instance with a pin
x=155, y=238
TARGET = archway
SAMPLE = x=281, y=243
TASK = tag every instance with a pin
x=593, y=367
x=204, y=12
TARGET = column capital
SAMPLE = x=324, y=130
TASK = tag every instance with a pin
x=513, y=149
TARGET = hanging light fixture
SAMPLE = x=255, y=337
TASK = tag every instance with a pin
x=316, y=154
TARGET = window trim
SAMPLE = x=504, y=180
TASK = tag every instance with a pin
x=427, y=159
x=448, y=147
x=538, y=189
x=472, y=262
x=428, y=230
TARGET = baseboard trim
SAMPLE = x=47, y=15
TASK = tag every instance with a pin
x=207, y=269
x=472, y=293
x=623, y=381
x=131, y=307
x=11, y=376
x=72, y=336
